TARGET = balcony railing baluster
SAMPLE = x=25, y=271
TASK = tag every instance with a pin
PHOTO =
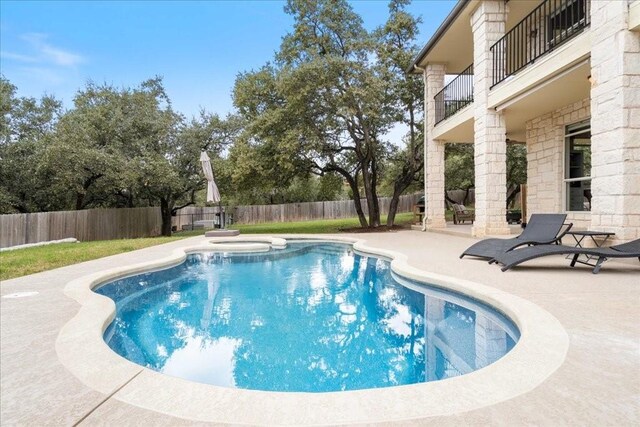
x=549, y=25
x=454, y=96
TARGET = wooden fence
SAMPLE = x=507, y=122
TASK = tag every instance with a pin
x=258, y=214
x=106, y=224
x=84, y=225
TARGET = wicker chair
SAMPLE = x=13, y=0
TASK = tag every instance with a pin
x=462, y=214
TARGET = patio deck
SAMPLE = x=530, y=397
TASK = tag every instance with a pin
x=598, y=383
x=464, y=230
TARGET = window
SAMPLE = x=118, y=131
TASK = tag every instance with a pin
x=577, y=175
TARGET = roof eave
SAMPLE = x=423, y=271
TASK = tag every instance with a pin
x=453, y=15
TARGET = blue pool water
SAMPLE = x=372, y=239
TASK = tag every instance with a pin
x=313, y=317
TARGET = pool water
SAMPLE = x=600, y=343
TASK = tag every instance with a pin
x=310, y=318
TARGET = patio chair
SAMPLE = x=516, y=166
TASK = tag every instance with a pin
x=518, y=256
x=462, y=214
x=542, y=229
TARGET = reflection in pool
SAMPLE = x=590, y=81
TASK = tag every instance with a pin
x=313, y=317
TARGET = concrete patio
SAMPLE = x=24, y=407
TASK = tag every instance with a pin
x=598, y=383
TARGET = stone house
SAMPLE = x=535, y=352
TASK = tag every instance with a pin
x=562, y=77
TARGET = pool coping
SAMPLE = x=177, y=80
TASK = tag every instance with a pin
x=541, y=350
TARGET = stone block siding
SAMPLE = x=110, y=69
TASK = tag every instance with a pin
x=434, y=151
x=615, y=123
x=488, y=26
x=545, y=161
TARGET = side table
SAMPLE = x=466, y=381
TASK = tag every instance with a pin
x=579, y=237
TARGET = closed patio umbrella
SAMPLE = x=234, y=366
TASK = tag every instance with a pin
x=213, y=195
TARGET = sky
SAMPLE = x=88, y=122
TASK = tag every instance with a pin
x=56, y=47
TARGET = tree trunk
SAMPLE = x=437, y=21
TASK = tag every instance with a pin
x=399, y=187
x=165, y=211
x=512, y=195
x=79, y=201
x=375, y=217
x=357, y=203
x=449, y=199
x=368, y=182
x=393, y=208
x=353, y=184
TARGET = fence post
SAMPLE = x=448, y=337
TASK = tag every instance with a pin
x=26, y=228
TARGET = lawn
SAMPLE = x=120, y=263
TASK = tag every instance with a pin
x=302, y=227
x=41, y=258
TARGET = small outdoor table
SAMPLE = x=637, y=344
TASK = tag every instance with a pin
x=579, y=236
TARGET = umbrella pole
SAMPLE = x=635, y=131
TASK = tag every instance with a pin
x=221, y=215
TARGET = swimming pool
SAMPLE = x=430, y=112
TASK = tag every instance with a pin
x=314, y=317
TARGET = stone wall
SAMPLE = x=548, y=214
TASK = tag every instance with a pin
x=545, y=161
x=434, y=151
x=615, y=123
x=490, y=147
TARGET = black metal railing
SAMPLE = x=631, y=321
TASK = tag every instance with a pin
x=454, y=96
x=549, y=25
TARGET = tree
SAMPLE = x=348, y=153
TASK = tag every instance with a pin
x=25, y=129
x=127, y=147
x=86, y=159
x=170, y=170
x=459, y=169
x=396, y=49
x=118, y=147
x=323, y=104
x=516, y=170
x=330, y=187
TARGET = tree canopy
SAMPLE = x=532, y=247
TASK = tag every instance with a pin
x=118, y=147
x=332, y=93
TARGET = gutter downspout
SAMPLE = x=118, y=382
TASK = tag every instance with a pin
x=425, y=124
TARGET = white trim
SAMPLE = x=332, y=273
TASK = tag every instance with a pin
x=447, y=125
x=634, y=16
x=584, y=178
x=574, y=51
x=531, y=90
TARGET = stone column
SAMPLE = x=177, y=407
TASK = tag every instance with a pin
x=490, y=147
x=491, y=341
x=434, y=150
x=615, y=120
x=433, y=315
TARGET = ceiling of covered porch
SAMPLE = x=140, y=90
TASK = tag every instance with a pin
x=571, y=86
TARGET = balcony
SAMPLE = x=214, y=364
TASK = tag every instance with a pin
x=548, y=26
x=454, y=96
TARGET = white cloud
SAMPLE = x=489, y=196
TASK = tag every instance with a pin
x=47, y=53
x=17, y=57
x=61, y=57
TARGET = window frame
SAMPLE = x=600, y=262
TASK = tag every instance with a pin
x=583, y=126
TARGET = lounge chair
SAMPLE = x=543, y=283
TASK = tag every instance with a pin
x=518, y=256
x=462, y=214
x=542, y=229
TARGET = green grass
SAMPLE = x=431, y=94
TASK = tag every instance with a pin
x=302, y=227
x=41, y=258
